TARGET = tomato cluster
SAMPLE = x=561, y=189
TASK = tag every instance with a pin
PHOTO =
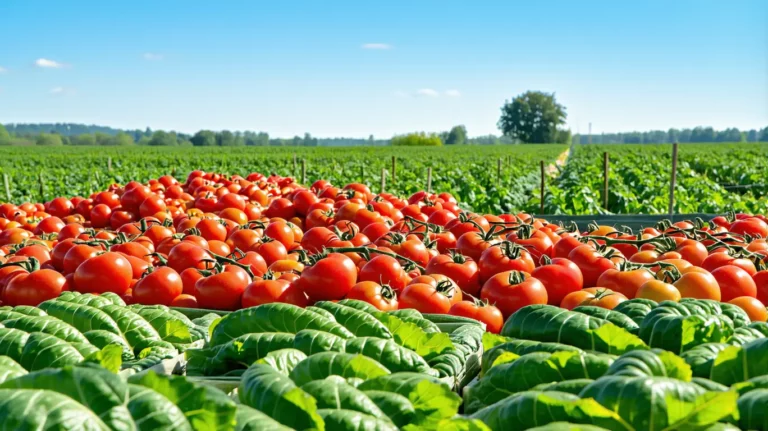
x=226, y=242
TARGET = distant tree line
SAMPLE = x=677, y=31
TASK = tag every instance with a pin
x=697, y=134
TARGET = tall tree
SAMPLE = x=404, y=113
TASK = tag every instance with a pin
x=160, y=138
x=48, y=139
x=532, y=117
x=457, y=136
x=225, y=138
x=204, y=138
x=5, y=137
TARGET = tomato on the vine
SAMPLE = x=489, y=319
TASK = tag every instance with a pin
x=513, y=290
x=480, y=311
x=597, y=296
x=381, y=296
x=328, y=278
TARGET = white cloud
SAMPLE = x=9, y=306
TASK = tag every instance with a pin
x=3, y=70
x=48, y=64
x=151, y=56
x=60, y=91
x=452, y=93
x=427, y=92
x=377, y=46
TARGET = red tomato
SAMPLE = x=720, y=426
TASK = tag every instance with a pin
x=488, y=314
x=597, y=296
x=106, y=272
x=699, y=285
x=591, y=263
x=505, y=256
x=185, y=301
x=560, y=277
x=459, y=268
x=754, y=308
x=331, y=277
x=384, y=269
x=76, y=256
x=188, y=279
x=513, y=290
x=265, y=291
x=751, y=226
x=34, y=288
x=222, y=291
x=734, y=282
x=761, y=284
x=716, y=260
x=429, y=299
x=161, y=286
x=187, y=255
x=380, y=296
x=625, y=282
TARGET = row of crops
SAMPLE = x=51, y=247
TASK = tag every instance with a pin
x=711, y=178
x=471, y=173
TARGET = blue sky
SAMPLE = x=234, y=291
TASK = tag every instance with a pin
x=351, y=68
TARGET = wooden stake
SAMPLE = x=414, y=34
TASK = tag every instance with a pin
x=109, y=164
x=7, y=188
x=498, y=172
x=383, y=179
x=673, y=180
x=293, y=173
x=42, y=187
x=394, y=169
x=362, y=174
x=303, y=171
x=605, y=180
x=541, y=210
x=429, y=180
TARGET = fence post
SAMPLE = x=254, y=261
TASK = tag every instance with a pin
x=293, y=173
x=541, y=208
x=498, y=172
x=7, y=187
x=673, y=180
x=394, y=169
x=383, y=179
x=362, y=174
x=429, y=180
x=42, y=187
x=605, y=180
x=109, y=164
x=303, y=171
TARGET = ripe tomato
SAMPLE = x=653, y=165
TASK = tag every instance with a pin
x=264, y=291
x=330, y=277
x=430, y=299
x=624, y=282
x=591, y=263
x=761, y=283
x=658, y=291
x=184, y=300
x=384, y=269
x=271, y=250
x=698, y=285
x=751, y=226
x=380, y=296
x=506, y=256
x=488, y=314
x=473, y=244
x=106, y=272
x=734, y=282
x=560, y=277
x=161, y=286
x=718, y=259
x=34, y=288
x=459, y=268
x=77, y=255
x=187, y=255
x=597, y=296
x=222, y=291
x=754, y=308
x=513, y=290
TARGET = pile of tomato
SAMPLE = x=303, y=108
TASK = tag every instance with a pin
x=228, y=242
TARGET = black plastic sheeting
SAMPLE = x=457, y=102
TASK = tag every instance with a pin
x=634, y=221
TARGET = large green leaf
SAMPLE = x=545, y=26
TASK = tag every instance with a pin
x=267, y=390
x=169, y=326
x=250, y=419
x=12, y=343
x=48, y=325
x=636, y=308
x=335, y=393
x=656, y=402
x=657, y=362
x=134, y=328
x=678, y=327
x=101, y=339
x=238, y=353
x=273, y=317
x=397, y=407
x=83, y=317
x=353, y=420
x=359, y=323
x=347, y=365
x=154, y=412
x=283, y=360
x=618, y=319
x=411, y=336
x=43, y=351
x=311, y=341
x=10, y=369
x=205, y=407
x=389, y=354
x=522, y=347
x=737, y=364
x=521, y=373
x=34, y=409
x=701, y=358
x=533, y=408
x=95, y=388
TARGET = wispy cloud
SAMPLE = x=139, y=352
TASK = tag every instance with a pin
x=452, y=93
x=152, y=56
x=48, y=64
x=401, y=93
x=59, y=91
x=376, y=46
x=3, y=70
x=427, y=92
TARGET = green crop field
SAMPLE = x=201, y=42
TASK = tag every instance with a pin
x=710, y=178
